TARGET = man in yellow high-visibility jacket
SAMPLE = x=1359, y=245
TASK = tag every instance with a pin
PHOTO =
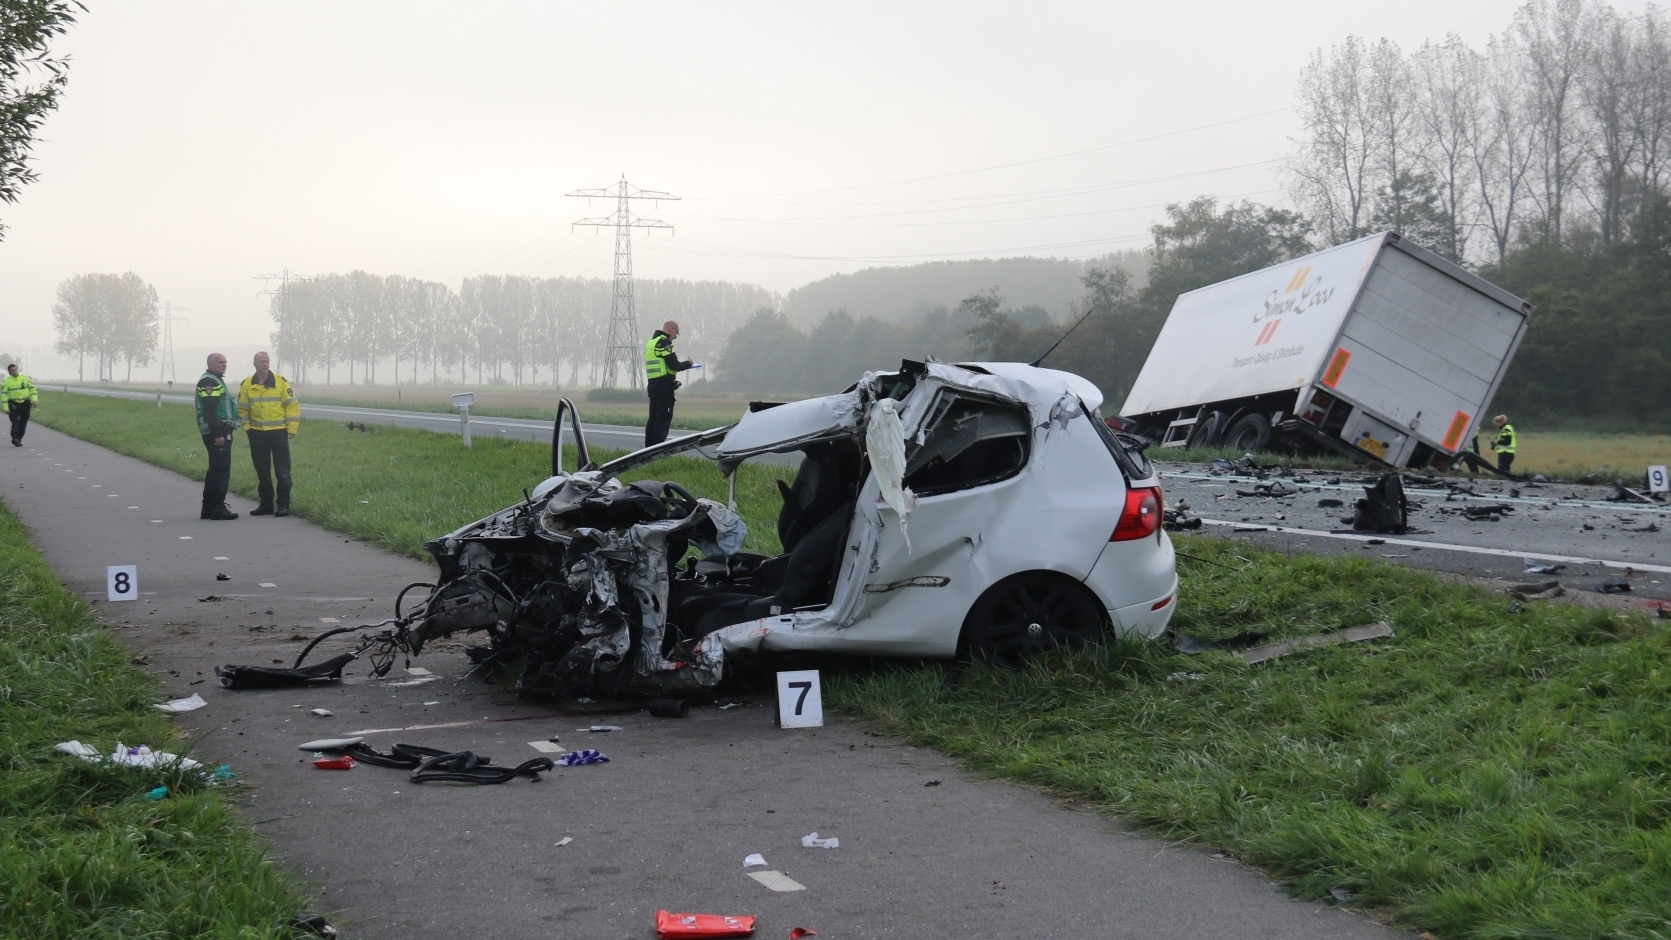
x=661, y=368
x=271, y=414
x=1506, y=444
x=21, y=398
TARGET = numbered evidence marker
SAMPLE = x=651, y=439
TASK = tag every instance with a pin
x=122, y=583
x=800, y=700
x=1658, y=480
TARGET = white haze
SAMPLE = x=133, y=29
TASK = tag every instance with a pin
x=201, y=144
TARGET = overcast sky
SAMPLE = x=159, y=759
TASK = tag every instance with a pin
x=202, y=144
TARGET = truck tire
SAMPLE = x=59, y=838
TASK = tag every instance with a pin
x=1208, y=430
x=1249, y=435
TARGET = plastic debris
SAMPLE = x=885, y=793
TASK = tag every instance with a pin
x=753, y=860
x=669, y=924
x=1349, y=635
x=811, y=841
x=582, y=758
x=777, y=881
x=797, y=933
x=124, y=756
x=1534, y=567
x=335, y=763
x=563, y=841
x=156, y=795
x=668, y=708
x=322, y=713
x=600, y=729
x=1619, y=586
x=546, y=747
x=1340, y=894
x=313, y=925
x=224, y=772
x=223, y=577
x=329, y=744
x=189, y=704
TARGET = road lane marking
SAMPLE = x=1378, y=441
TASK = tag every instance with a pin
x=1441, y=546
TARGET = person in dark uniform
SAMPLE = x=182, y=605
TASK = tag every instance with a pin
x=217, y=418
x=661, y=368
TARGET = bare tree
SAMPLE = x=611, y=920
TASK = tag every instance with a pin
x=1558, y=39
x=1451, y=110
x=1331, y=176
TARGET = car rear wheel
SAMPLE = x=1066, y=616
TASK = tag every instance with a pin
x=1250, y=434
x=1029, y=613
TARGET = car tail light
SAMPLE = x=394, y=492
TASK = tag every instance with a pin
x=1141, y=517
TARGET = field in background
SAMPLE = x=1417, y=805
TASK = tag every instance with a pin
x=1486, y=772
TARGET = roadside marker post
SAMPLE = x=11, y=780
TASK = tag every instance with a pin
x=462, y=401
x=1658, y=480
x=800, y=700
x=122, y=583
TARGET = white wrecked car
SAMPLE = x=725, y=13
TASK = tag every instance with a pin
x=980, y=509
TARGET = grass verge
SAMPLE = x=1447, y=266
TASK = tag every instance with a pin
x=82, y=853
x=1481, y=774
x=396, y=487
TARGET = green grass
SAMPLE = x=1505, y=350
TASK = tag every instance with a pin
x=395, y=487
x=1482, y=774
x=81, y=853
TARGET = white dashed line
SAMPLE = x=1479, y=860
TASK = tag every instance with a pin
x=222, y=558
x=185, y=537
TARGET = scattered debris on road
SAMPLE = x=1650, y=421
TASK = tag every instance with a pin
x=706, y=925
x=189, y=704
x=811, y=841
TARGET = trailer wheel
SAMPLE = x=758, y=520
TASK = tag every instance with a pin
x=1249, y=435
x=1208, y=430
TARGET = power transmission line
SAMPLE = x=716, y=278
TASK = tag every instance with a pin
x=622, y=348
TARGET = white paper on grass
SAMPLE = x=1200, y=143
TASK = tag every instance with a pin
x=189, y=704
x=141, y=756
x=885, y=444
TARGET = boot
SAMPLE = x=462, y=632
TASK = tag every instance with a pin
x=219, y=514
x=282, y=511
x=261, y=511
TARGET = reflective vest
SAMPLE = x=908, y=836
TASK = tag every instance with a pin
x=18, y=388
x=217, y=412
x=655, y=358
x=1505, y=440
x=269, y=407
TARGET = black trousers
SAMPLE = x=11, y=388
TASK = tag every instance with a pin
x=661, y=411
x=20, y=418
x=1504, y=462
x=271, y=448
x=219, y=476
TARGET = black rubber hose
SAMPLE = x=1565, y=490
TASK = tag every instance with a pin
x=402, y=595
x=317, y=640
x=401, y=756
x=466, y=767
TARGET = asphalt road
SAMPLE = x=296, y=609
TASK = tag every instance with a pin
x=1575, y=526
x=665, y=824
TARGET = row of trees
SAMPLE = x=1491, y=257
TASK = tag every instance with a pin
x=1560, y=128
x=493, y=329
x=110, y=317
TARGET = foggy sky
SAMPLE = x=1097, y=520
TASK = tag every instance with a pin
x=202, y=144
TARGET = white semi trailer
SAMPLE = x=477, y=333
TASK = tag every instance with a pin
x=1375, y=348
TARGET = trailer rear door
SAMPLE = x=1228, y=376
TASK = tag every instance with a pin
x=1424, y=350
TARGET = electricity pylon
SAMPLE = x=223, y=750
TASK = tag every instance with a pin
x=283, y=291
x=166, y=374
x=624, y=347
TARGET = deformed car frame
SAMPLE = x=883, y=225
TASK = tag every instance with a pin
x=979, y=508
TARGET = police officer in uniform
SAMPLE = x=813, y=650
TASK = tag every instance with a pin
x=661, y=365
x=217, y=418
x=21, y=398
x=271, y=414
x=1505, y=443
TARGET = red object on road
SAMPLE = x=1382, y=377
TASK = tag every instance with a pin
x=703, y=925
x=335, y=763
x=800, y=932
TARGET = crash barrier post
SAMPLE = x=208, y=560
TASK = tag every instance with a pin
x=462, y=402
x=159, y=398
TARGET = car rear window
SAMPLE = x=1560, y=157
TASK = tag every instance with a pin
x=1133, y=463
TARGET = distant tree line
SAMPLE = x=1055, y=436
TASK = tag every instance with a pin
x=492, y=330
x=110, y=317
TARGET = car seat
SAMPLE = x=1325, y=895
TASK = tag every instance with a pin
x=804, y=577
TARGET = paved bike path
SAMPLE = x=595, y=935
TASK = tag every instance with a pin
x=666, y=824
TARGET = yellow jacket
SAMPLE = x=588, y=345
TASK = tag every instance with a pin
x=269, y=406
